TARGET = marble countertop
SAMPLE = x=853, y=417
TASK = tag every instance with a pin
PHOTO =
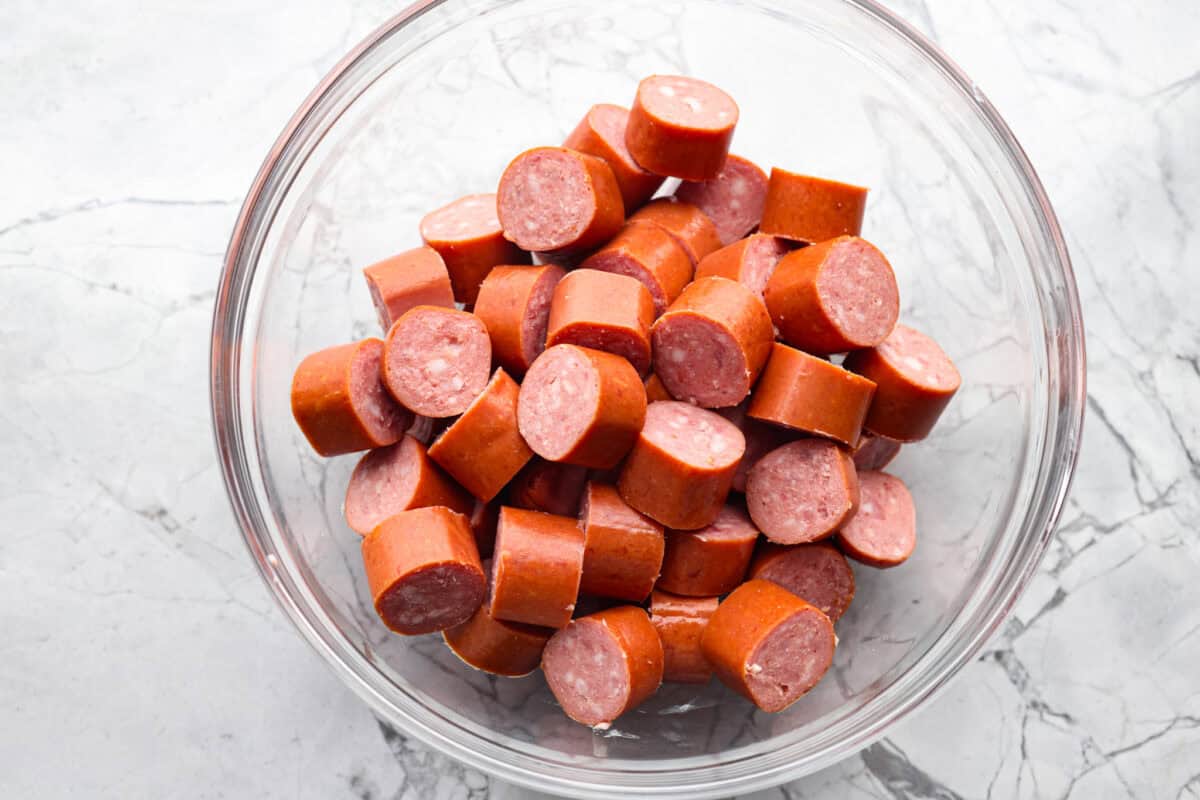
x=142, y=655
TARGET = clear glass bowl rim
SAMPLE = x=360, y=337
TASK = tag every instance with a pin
x=1066, y=380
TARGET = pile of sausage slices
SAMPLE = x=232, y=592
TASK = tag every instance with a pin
x=605, y=434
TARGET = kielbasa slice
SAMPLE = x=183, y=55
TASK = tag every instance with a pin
x=468, y=236
x=816, y=572
x=807, y=209
x=768, y=645
x=536, y=567
x=834, y=296
x=711, y=344
x=874, y=451
x=712, y=560
x=436, y=361
x=680, y=622
x=511, y=649
x=413, y=278
x=649, y=254
x=606, y=311
x=914, y=379
x=557, y=201
x=681, y=127
x=689, y=226
x=601, y=133
x=581, y=406
x=749, y=261
x=808, y=393
x=623, y=550
x=483, y=449
x=603, y=665
x=514, y=304
x=423, y=570
x=548, y=486
x=680, y=469
x=396, y=478
x=340, y=403
x=802, y=491
x=884, y=531
x=733, y=200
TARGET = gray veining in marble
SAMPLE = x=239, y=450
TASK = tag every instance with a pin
x=142, y=655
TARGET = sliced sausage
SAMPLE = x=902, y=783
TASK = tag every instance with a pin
x=802, y=491
x=601, y=133
x=689, y=226
x=655, y=390
x=536, y=568
x=810, y=394
x=874, y=452
x=548, y=486
x=483, y=449
x=884, y=531
x=681, y=127
x=761, y=439
x=914, y=382
x=623, y=550
x=603, y=665
x=557, y=201
x=468, y=236
x=514, y=304
x=679, y=470
x=816, y=572
x=396, y=478
x=581, y=406
x=436, y=361
x=493, y=645
x=834, y=296
x=604, y=311
x=749, y=261
x=340, y=403
x=712, y=560
x=733, y=200
x=423, y=570
x=711, y=344
x=414, y=278
x=651, y=255
x=768, y=645
x=807, y=209
x=483, y=519
x=680, y=621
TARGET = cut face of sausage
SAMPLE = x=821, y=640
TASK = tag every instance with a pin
x=687, y=102
x=802, y=491
x=816, y=572
x=437, y=360
x=733, y=200
x=697, y=437
x=432, y=599
x=468, y=217
x=884, y=531
x=397, y=478
x=920, y=360
x=790, y=660
x=601, y=133
x=680, y=126
x=857, y=287
x=750, y=261
x=514, y=304
x=376, y=409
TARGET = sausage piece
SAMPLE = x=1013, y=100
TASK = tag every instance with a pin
x=581, y=406
x=749, y=261
x=340, y=403
x=423, y=570
x=816, y=572
x=548, y=486
x=874, y=452
x=483, y=449
x=712, y=343
x=689, y=226
x=603, y=665
x=604, y=311
x=884, y=531
x=649, y=254
x=655, y=390
x=536, y=568
x=414, y=278
x=681, y=127
x=623, y=550
x=493, y=645
x=680, y=621
x=679, y=470
x=834, y=296
x=733, y=199
x=810, y=394
x=557, y=201
x=712, y=560
x=436, y=361
x=601, y=133
x=396, y=478
x=807, y=209
x=768, y=645
x=468, y=236
x=514, y=304
x=802, y=491
x=914, y=382
x=483, y=519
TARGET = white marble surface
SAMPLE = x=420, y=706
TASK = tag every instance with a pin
x=142, y=656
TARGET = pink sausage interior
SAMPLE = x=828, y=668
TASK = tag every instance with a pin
x=696, y=436
x=885, y=528
x=586, y=670
x=382, y=416
x=381, y=485
x=790, y=660
x=537, y=315
x=699, y=361
x=731, y=525
x=919, y=359
x=688, y=102
x=546, y=200
x=558, y=401
x=797, y=492
x=432, y=599
x=733, y=200
x=858, y=290
x=609, y=122
x=442, y=358
x=468, y=218
x=817, y=573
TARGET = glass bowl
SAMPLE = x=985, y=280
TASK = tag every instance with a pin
x=432, y=106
